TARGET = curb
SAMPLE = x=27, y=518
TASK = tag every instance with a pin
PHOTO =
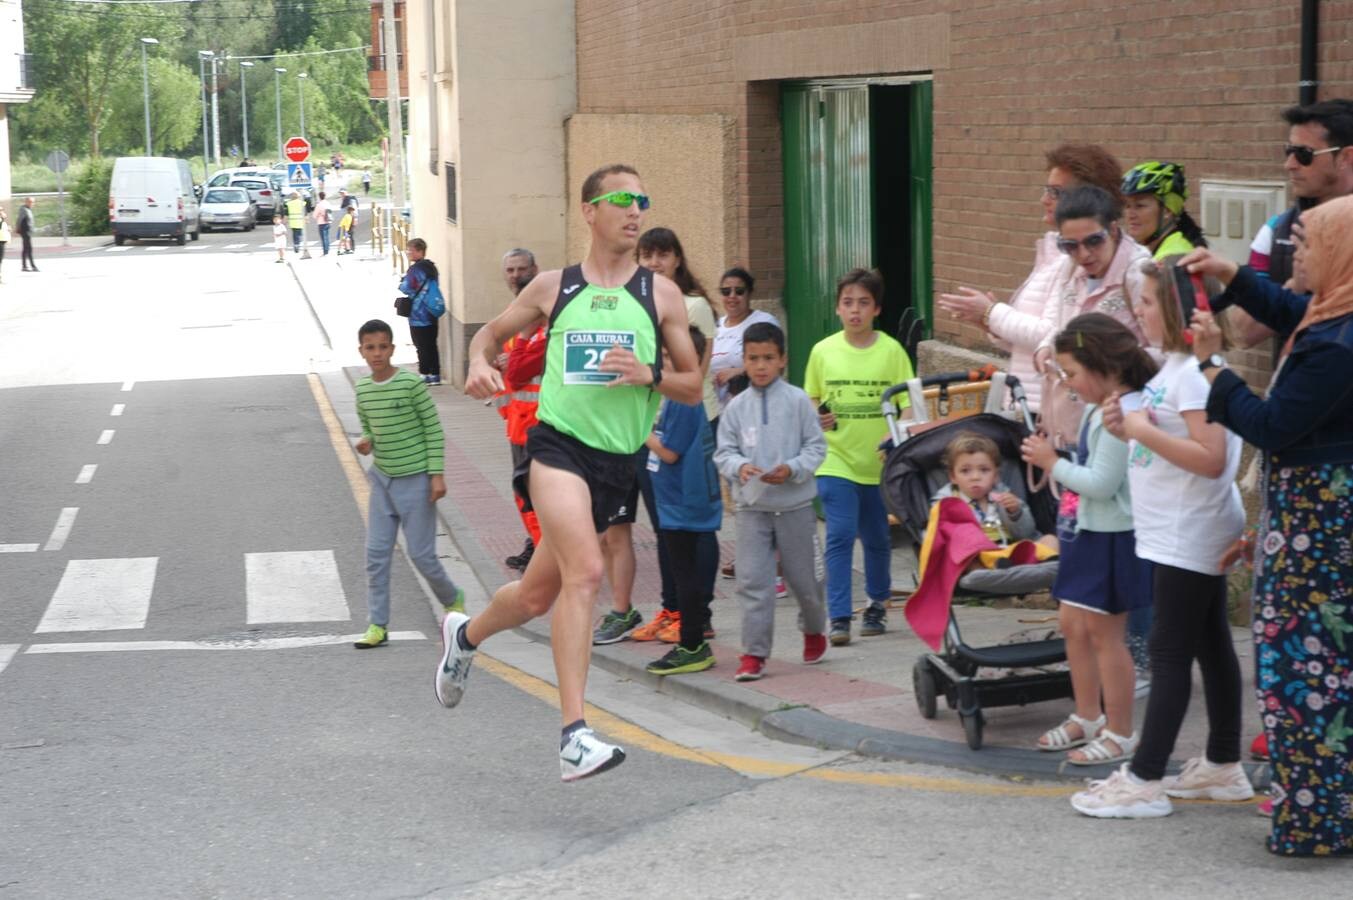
x=802, y=725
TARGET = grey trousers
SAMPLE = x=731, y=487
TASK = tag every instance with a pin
x=794, y=534
x=396, y=501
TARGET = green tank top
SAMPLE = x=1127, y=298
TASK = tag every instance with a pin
x=574, y=395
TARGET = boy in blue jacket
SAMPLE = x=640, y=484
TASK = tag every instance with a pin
x=690, y=511
x=770, y=444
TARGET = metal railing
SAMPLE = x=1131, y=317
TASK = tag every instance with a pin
x=390, y=234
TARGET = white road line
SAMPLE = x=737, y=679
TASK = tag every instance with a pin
x=128, y=385
x=116, y=249
x=281, y=643
x=101, y=595
x=107, y=436
x=19, y=548
x=156, y=249
x=7, y=652
x=90, y=249
x=61, y=531
x=86, y=474
x=117, y=409
x=234, y=246
x=266, y=245
x=294, y=586
x=197, y=246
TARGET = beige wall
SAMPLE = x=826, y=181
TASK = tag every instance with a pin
x=505, y=81
x=688, y=167
x=6, y=185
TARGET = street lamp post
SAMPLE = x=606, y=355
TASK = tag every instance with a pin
x=202, y=57
x=215, y=114
x=245, y=66
x=145, y=87
x=300, y=92
x=278, y=72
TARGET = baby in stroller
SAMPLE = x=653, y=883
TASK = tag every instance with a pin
x=974, y=465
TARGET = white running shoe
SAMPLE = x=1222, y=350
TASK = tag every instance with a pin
x=1119, y=797
x=1203, y=780
x=585, y=754
x=454, y=667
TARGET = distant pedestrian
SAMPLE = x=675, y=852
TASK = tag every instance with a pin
x=400, y=423
x=279, y=238
x=345, y=232
x=366, y=181
x=26, y=227
x=770, y=444
x=4, y=234
x=296, y=220
x=420, y=283
x=322, y=217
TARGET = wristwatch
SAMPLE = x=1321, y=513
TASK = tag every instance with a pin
x=1215, y=361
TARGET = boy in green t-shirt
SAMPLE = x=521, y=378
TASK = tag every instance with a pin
x=399, y=422
x=846, y=376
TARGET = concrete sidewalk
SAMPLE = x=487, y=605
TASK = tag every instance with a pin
x=859, y=698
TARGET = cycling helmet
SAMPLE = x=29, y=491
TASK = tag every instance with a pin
x=1164, y=179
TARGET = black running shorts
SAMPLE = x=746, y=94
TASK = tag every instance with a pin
x=611, y=477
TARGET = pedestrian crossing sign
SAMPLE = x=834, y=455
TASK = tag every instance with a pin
x=299, y=174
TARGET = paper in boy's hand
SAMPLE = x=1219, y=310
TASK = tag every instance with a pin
x=750, y=491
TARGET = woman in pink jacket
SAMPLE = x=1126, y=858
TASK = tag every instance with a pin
x=1017, y=326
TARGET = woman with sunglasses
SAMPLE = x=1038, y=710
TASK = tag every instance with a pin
x=725, y=363
x=1017, y=325
x=1154, y=212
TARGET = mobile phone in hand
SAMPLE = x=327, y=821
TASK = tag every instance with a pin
x=1191, y=295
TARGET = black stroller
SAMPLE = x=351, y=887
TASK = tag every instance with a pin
x=942, y=406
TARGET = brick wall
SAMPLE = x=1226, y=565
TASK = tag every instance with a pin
x=1200, y=83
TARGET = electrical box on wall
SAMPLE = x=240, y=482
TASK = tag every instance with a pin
x=1234, y=211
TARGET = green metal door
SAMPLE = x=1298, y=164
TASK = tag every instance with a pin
x=857, y=192
x=828, y=209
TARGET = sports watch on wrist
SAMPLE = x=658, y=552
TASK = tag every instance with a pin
x=1215, y=361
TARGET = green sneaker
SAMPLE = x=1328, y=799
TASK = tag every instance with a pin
x=374, y=637
x=679, y=661
x=615, y=627
x=457, y=605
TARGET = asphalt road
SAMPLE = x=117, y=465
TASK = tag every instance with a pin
x=180, y=714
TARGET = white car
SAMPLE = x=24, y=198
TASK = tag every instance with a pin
x=228, y=207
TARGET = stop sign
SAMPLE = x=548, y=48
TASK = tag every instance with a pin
x=296, y=149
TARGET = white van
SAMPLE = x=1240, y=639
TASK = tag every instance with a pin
x=152, y=196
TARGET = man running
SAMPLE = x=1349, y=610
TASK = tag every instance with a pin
x=609, y=320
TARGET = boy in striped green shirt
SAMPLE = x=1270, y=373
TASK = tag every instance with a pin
x=400, y=423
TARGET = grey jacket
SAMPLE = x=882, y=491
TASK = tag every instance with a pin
x=766, y=428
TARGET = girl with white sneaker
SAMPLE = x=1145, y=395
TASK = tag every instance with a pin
x=1187, y=511
x=1100, y=580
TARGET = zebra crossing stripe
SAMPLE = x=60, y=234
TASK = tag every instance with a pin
x=294, y=586
x=101, y=595
x=65, y=521
x=19, y=548
x=7, y=652
x=276, y=643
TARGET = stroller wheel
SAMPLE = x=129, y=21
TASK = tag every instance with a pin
x=972, y=729
x=923, y=685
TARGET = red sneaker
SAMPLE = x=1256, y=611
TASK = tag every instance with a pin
x=750, y=668
x=814, y=645
x=1265, y=807
x=1259, y=749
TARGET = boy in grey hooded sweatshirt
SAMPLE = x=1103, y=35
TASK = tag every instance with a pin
x=769, y=446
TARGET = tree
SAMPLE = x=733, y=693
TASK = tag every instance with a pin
x=174, y=108
x=89, y=198
x=82, y=52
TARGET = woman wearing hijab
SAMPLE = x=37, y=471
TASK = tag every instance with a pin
x=1303, y=592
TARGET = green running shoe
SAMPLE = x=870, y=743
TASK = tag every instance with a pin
x=615, y=627
x=679, y=661
x=374, y=637
x=457, y=605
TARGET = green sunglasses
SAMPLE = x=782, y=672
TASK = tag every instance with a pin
x=623, y=198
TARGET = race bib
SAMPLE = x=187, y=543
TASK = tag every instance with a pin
x=584, y=351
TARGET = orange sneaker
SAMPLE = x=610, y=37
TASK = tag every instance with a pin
x=650, y=630
x=671, y=632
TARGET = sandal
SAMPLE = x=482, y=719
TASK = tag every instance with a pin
x=1060, y=739
x=1097, y=752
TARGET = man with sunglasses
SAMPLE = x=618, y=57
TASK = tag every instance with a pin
x=1318, y=160
x=609, y=320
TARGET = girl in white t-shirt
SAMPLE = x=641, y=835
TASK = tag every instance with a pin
x=1187, y=511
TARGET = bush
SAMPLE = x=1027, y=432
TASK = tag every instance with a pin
x=89, y=199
